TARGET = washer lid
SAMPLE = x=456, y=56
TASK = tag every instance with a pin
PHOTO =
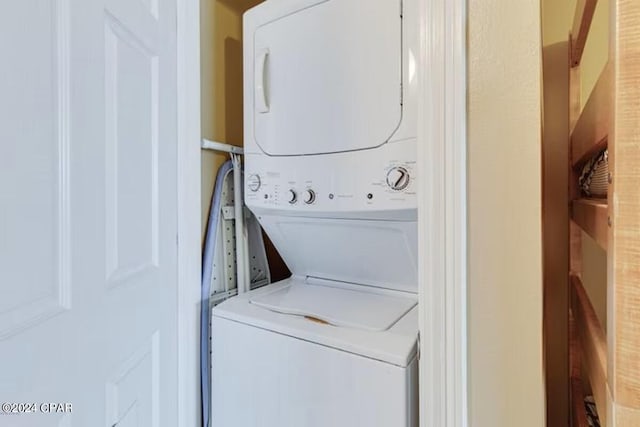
x=396, y=345
x=338, y=307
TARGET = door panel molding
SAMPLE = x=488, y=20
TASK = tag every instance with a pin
x=127, y=152
x=42, y=307
x=132, y=392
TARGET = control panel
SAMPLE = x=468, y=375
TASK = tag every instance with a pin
x=313, y=184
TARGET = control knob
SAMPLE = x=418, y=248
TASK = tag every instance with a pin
x=398, y=178
x=293, y=196
x=254, y=182
x=309, y=196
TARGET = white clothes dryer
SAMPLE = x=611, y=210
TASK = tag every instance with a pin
x=330, y=149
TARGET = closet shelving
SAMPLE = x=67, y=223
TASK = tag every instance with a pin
x=607, y=364
x=589, y=137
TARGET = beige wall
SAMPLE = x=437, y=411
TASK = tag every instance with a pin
x=222, y=97
x=596, y=51
x=221, y=68
x=505, y=265
x=557, y=19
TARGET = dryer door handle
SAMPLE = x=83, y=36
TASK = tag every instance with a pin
x=260, y=83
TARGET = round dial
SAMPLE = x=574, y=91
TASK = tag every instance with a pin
x=293, y=196
x=254, y=182
x=309, y=196
x=398, y=178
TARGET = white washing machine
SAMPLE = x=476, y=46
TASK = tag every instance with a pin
x=330, y=149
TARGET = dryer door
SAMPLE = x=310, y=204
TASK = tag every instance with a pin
x=328, y=78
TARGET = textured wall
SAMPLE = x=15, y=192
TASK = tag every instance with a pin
x=505, y=264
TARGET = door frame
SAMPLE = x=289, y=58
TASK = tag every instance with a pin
x=189, y=228
x=442, y=217
x=442, y=158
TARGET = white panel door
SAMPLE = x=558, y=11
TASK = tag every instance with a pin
x=88, y=280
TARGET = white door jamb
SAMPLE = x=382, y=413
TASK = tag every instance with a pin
x=189, y=238
x=442, y=216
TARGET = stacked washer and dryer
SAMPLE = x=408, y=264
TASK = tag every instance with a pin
x=330, y=149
